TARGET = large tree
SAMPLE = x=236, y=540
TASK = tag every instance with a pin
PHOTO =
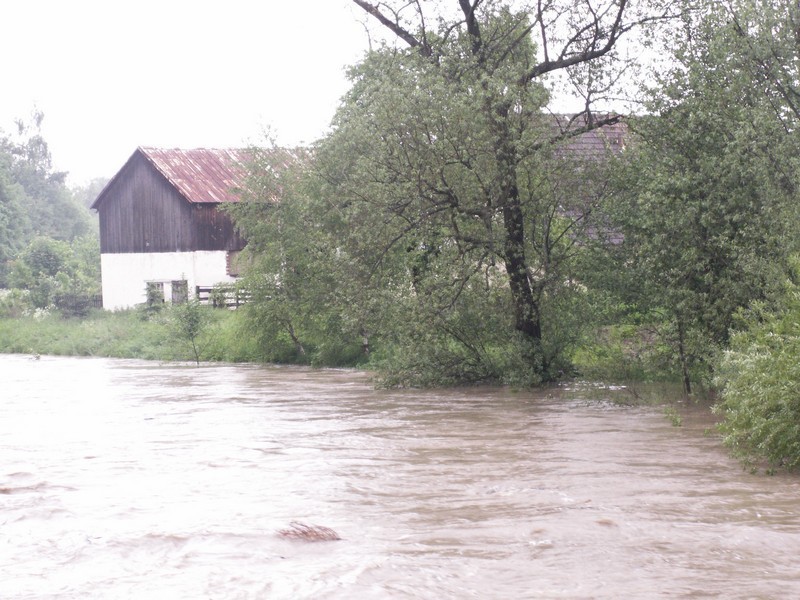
x=708, y=206
x=14, y=222
x=49, y=207
x=444, y=147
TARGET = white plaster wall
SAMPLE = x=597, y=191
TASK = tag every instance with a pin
x=125, y=275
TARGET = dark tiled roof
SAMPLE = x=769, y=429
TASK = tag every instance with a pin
x=594, y=143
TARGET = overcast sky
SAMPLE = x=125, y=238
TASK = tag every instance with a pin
x=111, y=76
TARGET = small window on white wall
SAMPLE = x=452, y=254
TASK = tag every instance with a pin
x=180, y=291
x=154, y=292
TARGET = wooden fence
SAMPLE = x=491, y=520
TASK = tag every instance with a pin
x=222, y=296
x=77, y=305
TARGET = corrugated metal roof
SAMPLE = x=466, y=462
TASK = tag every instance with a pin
x=202, y=174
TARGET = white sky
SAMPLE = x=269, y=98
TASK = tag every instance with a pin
x=110, y=76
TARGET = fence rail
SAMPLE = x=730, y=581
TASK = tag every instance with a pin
x=222, y=296
x=77, y=304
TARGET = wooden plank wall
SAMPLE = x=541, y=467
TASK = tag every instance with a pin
x=142, y=212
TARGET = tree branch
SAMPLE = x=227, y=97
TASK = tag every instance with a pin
x=395, y=27
x=592, y=53
x=472, y=24
x=568, y=132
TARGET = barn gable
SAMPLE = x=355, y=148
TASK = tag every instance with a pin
x=167, y=201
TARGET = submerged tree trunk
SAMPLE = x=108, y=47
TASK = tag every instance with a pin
x=297, y=343
x=687, y=383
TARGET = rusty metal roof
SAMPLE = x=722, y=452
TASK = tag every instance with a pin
x=208, y=175
x=202, y=174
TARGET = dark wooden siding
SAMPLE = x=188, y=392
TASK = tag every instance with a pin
x=141, y=211
x=213, y=229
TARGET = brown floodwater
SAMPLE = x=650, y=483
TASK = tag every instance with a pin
x=129, y=479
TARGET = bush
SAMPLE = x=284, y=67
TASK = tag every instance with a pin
x=626, y=352
x=461, y=347
x=54, y=271
x=190, y=323
x=15, y=303
x=759, y=381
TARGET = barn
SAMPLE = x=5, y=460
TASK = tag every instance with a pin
x=161, y=228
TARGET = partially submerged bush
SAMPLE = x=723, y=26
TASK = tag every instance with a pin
x=626, y=352
x=759, y=381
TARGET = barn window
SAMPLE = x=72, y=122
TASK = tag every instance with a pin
x=180, y=291
x=155, y=293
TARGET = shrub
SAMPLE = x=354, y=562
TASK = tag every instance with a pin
x=15, y=303
x=759, y=381
x=190, y=323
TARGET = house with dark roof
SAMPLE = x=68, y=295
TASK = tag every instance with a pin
x=161, y=230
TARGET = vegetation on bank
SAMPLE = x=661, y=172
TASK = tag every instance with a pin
x=195, y=332
x=760, y=378
x=138, y=333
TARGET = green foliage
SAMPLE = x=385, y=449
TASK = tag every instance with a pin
x=625, y=352
x=232, y=340
x=120, y=335
x=123, y=334
x=759, y=383
x=468, y=343
x=15, y=303
x=41, y=196
x=35, y=203
x=51, y=269
x=436, y=231
x=223, y=294
x=707, y=201
x=85, y=265
x=154, y=300
x=14, y=223
x=673, y=415
x=190, y=323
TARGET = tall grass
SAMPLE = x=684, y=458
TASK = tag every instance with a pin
x=125, y=334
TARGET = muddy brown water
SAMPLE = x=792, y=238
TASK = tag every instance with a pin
x=127, y=479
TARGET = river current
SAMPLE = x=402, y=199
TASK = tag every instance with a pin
x=128, y=479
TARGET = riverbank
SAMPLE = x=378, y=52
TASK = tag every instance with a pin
x=226, y=336
x=127, y=334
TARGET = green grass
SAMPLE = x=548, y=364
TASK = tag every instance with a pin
x=124, y=334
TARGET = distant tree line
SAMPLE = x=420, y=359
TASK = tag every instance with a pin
x=48, y=238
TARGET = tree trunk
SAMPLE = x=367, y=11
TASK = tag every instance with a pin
x=365, y=342
x=526, y=312
x=297, y=343
x=687, y=383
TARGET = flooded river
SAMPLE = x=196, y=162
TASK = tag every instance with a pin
x=126, y=479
